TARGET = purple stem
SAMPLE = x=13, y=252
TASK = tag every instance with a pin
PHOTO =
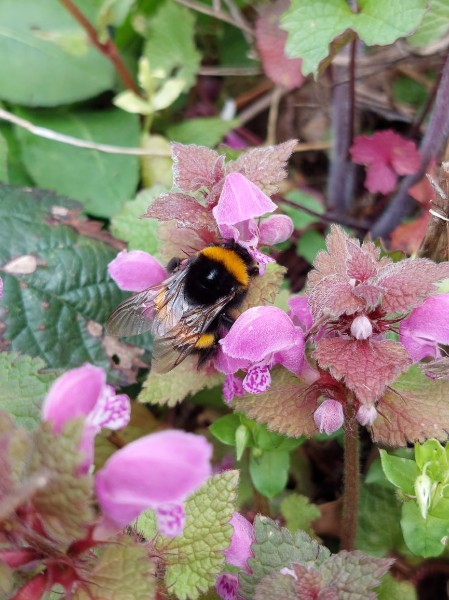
x=340, y=189
x=431, y=145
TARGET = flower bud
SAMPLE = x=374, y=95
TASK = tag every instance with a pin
x=361, y=328
x=366, y=415
x=423, y=488
x=329, y=416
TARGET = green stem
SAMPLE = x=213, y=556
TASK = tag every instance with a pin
x=351, y=480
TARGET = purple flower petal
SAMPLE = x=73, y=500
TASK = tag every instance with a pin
x=227, y=586
x=329, y=416
x=240, y=548
x=426, y=327
x=258, y=333
x=241, y=200
x=73, y=395
x=300, y=312
x=257, y=380
x=154, y=470
x=136, y=271
x=170, y=519
x=232, y=387
x=111, y=411
x=275, y=229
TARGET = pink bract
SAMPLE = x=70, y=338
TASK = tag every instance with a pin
x=83, y=393
x=136, y=270
x=426, y=327
x=158, y=472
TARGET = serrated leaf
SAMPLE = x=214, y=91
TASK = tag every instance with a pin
x=141, y=234
x=414, y=409
x=122, y=570
x=194, y=559
x=69, y=289
x=274, y=549
x=23, y=386
x=101, y=181
x=170, y=43
x=65, y=503
x=276, y=585
x=204, y=131
x=269, y=471
x=424, y=537
x=37, y=70
x=298, y=512
x=170, y=388
x=401, y=472
x=434, y=25
x=312, y=26
x=285, y=407
x=263, y=290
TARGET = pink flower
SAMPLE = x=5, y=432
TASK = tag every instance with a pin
x=386, y=155
x=260, y=338
x=300, y=312
x=238, y=206
x=329, y=416
x=366, y=415
x=83, y=393
x=158, y=472
x=136, y=270
x=237, y=554
x=426, y=327
x=1, y=287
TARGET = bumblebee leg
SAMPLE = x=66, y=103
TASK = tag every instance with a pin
x=173, y=265
x=226, y=320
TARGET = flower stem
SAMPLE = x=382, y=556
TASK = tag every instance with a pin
x=351, y=480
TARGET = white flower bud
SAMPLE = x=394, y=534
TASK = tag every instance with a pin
x=366, y=415
x=423, y=488
x=361, y=328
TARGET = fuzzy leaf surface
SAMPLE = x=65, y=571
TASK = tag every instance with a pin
x=69, y=288
x=123, y=570
x=275, y=548
x=40, y=66
x=101, y=181
x=298, y=512
x=312, y=26
x=23, y=386
x=194, y=559
x=415, y=409
x=276, y=585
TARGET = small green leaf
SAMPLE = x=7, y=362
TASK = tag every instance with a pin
x=424, y=537
x=432, y=459
x=122, y=570
x=434, y=25
x=298, y=512
x=401, y=472
x=242, y=436
x=23, y=386
x=309, y=244
x=194, y=559
x=37, y=67
x=393, y=589
x=101, y=181
x=269, y=472
x=300, y=218
x=313, y=26
x=225, y=427
x=17, y=174
x=3, y=159
x=141, y=234
x=204, y=131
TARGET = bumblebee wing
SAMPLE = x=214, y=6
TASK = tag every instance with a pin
x=169, y=351
x=157, y=309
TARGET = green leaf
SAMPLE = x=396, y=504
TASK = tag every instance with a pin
x=6, y=580
x=300, y=218
x=275, y=547
x=298, y=512
x=194, y=559
x=17, y=173
x=170, y=44
x=225, y=427
x=434, y=25
x=65, y=503
x=141, y=234
x=3, y=160
x=39, y=67
x=432, y=459
x=122, y=570
x=353, y=574
x=156, y=169
x=56, y=310
x=424, y=537
x=401, y=472
x=204, y=131
x=171, y=388
x=392, y=589
x=101, y=181
x=269, y=472
x=276, y=585
x=312, y=26
x=379, y=531
x=309, y=244
x=23, y=386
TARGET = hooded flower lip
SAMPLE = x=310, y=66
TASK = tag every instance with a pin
x=260, y=338
x=158, y=471
x=83, y=392
x=237, y=554
x=329, y=416
x=426, y=327
x=136, y=270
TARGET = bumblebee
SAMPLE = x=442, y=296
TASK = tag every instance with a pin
x=192, y=309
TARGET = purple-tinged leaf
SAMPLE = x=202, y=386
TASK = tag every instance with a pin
x=196, y=166
x=184, y=209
